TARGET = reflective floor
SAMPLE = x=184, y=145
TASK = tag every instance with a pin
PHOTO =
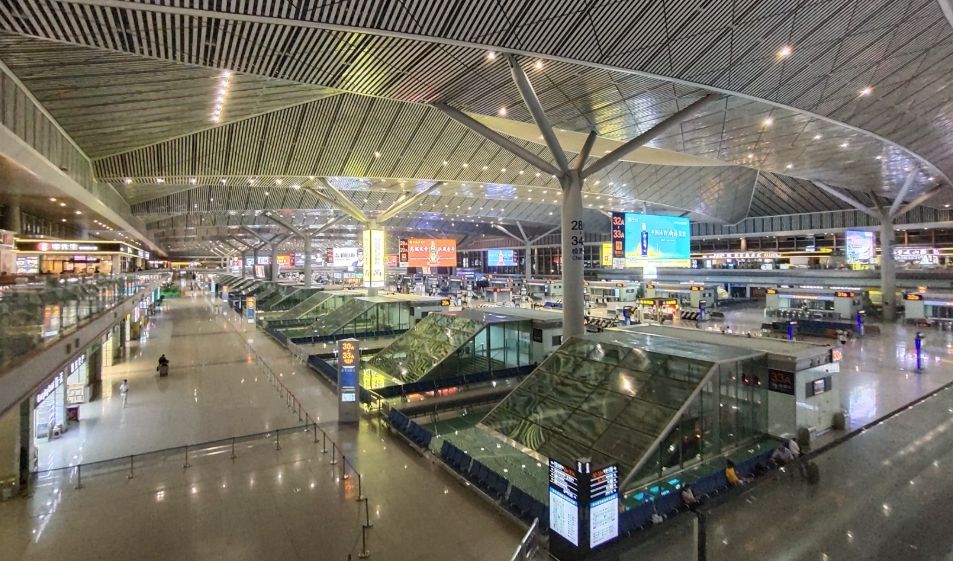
x=883, y=495
x=261, y=505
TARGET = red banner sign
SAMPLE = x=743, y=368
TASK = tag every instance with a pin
x=431, y=252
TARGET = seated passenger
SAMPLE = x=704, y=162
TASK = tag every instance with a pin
x=732, y=476
x=691, y=501
x=781, y=455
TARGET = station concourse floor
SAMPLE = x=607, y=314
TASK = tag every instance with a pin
x=266, y=504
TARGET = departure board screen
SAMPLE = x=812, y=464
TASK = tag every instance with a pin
x=564, y=502
x=603, y=506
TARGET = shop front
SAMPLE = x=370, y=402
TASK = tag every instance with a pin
x=77, y=257
x=49, y=409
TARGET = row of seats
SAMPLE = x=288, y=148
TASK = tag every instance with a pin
x=514, y=499
x=337, y=336
x=670, y=504
x=419, y=435
x=443, y=383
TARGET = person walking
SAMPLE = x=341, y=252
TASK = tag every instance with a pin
x=124, y=392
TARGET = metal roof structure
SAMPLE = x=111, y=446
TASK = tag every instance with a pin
x=203, y=116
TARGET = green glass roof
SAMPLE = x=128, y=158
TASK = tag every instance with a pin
x=431, y=340
x=606, y=396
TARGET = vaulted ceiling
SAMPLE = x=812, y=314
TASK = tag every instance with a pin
x=203, y=116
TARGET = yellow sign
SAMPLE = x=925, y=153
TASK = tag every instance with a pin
x=698, y=288
x=348, y=353
x=607, y=254
x=250, y=303
x=771, y=291
x=374, y=258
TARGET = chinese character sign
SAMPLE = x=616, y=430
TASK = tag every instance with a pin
x=431, y=252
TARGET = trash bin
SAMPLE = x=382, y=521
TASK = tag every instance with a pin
x=840, y=420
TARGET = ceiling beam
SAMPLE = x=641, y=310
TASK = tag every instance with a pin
x=654, y=132
x=507, y=232
x=586, y=150
x=847, y=199
x=536, y=110
x=344, y=201
x=281, y=222
x=498, y=139
x=256, y=234
x=918, y=201
x=399, y=206
x=903, y=193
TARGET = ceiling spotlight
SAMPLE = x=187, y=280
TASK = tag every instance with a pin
x=789, y=166
x=768, y=122
x=64, y=220
x=503, y=111
x=491, y=55
x=539, y=65
x=266, y=193
x=817, y=137
x=866, y=91
x=844, y=145
x=127, y=180
x=785, y=52
x=296, y=186
x=377, y=154
x=160, y=180
x=445, y=162
x=750, y=156
x=192, y=180
x=278, y=182
x=879, y=157
x=62, y=204
x=53, y=199
x=79, y=212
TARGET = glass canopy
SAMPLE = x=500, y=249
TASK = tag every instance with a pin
x=653, y=403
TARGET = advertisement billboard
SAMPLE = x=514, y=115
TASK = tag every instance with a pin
x=651, y=240
x=606, y=254
x=345, y=256
x=390, y=260
x=431, y=252
x=373, y=266
x=859, y=247
x=500, y=258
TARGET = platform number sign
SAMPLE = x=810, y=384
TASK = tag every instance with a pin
x=618, y=235
x=577, y=240
x=349, y=361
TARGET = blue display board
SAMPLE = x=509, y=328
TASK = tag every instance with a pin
x=859, y=247
x=500, y=258
x=650, y=239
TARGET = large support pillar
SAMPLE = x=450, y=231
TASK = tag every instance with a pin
x=307, y=261
x=373, y=272
x=244, y=256
x=888, y=270
x=573, y=247
x=528, y=260
x=11, y=218
x=274, y=261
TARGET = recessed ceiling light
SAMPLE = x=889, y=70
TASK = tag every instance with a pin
x=503, y=111
x=929, y=179
x=539, y=65
x=53, y=199
x=785, y=52
x=817, y=137
x=160, y=180
x=750, y=156
x=789, y=166
x=62, y=204
x=79, y=212
x=879, y=157
x=768, y=122
x=866, y=91
x=127, y=180
x=491, y=55
x=844, y=145
x=64, y=220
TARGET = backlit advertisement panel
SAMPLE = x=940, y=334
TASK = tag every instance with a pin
x=660, y=241
x=402, y=253
x=431, y=252
x=859, y=247
x=346, y=256
x=500, y=258
x=373, y=266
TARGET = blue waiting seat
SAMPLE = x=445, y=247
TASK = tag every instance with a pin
x=474, y=471
x=514, y=498
x=465, y=461
x=539, y=510
x=445, y=449
x=526, y=505
x=669, y=504
x=500, y=486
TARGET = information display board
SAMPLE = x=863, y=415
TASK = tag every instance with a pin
x=603, y=506
x=349, y=360
x=500, y=258
x=402, y=252
x=859, y=247
x=250, y=308
x=373, y=262
x=649, y=239
x=564, y=501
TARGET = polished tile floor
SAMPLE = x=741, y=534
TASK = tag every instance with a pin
x=266, y=504
x=883, y=495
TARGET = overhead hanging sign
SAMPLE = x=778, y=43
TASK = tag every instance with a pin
x=431, y=252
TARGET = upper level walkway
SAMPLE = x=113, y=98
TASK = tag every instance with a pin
x=288, y=504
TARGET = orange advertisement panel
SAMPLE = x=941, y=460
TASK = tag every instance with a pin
x=390, y=260
x=431, y=252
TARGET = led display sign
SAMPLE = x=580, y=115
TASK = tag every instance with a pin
x=431, y=252
x=500, y=258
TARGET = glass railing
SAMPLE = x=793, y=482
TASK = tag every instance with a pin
x=36, y=314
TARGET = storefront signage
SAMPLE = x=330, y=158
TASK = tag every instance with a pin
x=77, y=246
x=743, y=255
x=781, y=382
x=46, y=392
x=28, y=264
x=913, y=297
x=431, y=252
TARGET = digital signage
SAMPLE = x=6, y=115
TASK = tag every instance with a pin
x=402, y=255
x=859, y=247
x=345, y=256
x=644, y=240
x=564, y=501
x=349, y=361
x=373, y=265
x=500, y=258
x=431, y=252
x=603, y=506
